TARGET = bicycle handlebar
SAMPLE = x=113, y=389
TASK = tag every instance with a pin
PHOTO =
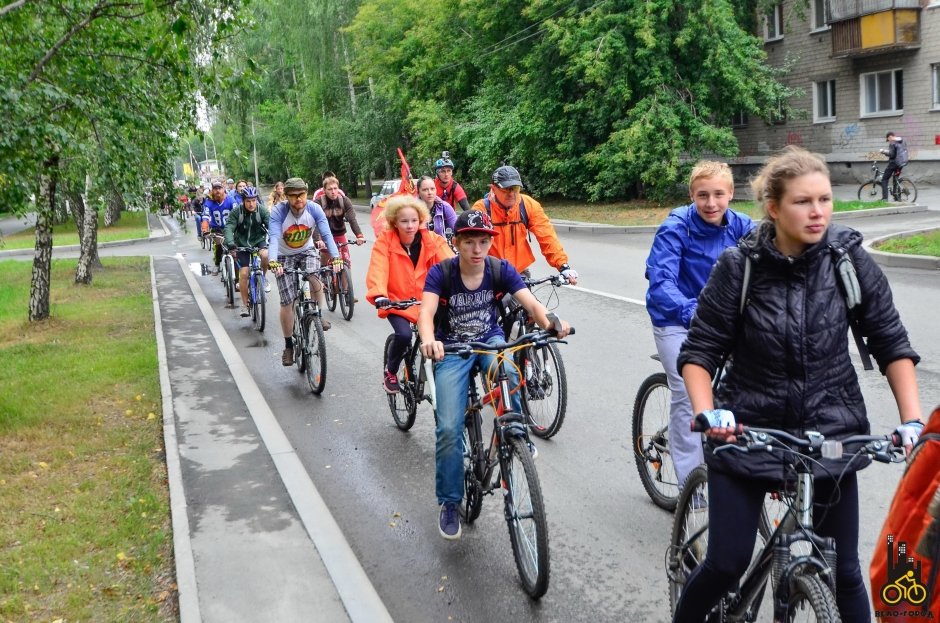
x=340, y=245
x=882, y=448
x=402, y=304
x=556, y=280
x=537, y=338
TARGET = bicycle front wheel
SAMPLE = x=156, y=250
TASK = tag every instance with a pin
x=473, y=467
x=907, y=191
x=228, y=272
x=811, y=600
x=314, y=353
x=258, y=304
x=404, y=404
x=545, y=389
x=651, y=442
x=869, y=191
x=689, y=534
x=329, y=288
x=525, y=515
x=345, y=295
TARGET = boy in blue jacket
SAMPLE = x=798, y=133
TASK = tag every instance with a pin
x=684, y=250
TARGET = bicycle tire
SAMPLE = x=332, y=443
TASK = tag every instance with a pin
x=907, y=190
x=404, y=404
x=258, y=302
x=689, y=540
x=314, y=353
x=345, y=295
x=525, y=508
x=473, y=468
x=650, y=441
x=329, y=289
x=545, y=394
x=811, y=591
x=869, y=192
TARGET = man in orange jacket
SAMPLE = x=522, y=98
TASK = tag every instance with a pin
x=515, y=215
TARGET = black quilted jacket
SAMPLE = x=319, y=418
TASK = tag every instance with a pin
x=790, y=346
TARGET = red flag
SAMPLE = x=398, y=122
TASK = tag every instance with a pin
x=406, y=187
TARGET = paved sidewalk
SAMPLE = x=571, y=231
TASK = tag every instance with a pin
x=252, y=537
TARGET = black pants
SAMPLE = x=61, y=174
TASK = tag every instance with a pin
x=886, y=179
x=734, y=506
x=396, y=353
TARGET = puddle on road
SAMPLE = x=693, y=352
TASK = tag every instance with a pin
x=199, y=269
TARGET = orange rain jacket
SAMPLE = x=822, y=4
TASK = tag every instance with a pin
x=392, y=275
x=907, y=522
x=512, y=243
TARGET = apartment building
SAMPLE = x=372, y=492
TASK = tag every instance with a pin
x=865, y=67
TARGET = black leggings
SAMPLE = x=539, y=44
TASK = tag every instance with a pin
x=734, y=506
x=402, y=328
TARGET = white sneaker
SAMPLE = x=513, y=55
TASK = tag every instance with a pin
x=237, y=287
x=246, y=311
x=267, y=285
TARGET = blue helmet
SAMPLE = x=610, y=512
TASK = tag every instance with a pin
x=444, y=161
x=250, y=192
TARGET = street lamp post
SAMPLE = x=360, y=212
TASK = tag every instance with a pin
x=215, y=152
x=254, y=149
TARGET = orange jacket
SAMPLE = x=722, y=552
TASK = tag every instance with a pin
x=392, y=275
x=906, y=523
x=512, y=244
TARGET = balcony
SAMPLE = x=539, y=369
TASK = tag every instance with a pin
x=870, y=27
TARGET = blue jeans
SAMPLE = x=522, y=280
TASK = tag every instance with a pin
x=452, y=381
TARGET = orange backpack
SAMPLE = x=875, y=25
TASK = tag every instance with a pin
x=907, y=555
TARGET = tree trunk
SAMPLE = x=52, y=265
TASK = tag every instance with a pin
x=87, y=227
x=42, y=260
x=352, y=188
x=369, y=184
x=112, y=213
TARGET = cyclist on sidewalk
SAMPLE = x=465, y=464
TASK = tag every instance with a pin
x=215, y=210
x=291, y=238
x=339, y=210
x=247, y=226
x=446, y=186
x=398, y=267
x=792, y=371
x=684, y=250
x=516, y=215
x=442, y=214
x=470, y=314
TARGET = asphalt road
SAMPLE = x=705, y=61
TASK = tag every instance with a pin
x=607, y=539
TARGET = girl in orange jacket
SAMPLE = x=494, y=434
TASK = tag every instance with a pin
x=400, y=261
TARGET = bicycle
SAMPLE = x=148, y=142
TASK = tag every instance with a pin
x=799, y=563
x=228, y=271
x=509, y=451
x=545, y=383
x=309, y=343
x=651, y=441
x=256, y=294
x=900, y=188
x=339, y=287
x=415, y=381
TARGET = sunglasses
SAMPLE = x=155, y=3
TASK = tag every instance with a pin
x=512, y=189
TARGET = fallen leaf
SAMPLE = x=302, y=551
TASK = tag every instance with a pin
x=121, y=556
x=151, y=416
x=128, y=412
x=391, y=523
x=396, y=514
x=137, y=397
x=43, y=464
x=440, y=589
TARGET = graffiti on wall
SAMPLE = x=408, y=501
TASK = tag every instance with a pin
x=795, y=138
x=848, y=135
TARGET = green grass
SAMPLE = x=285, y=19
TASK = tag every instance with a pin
x=919, y=244
x=84, y=532
x=651, y=213
x=130, y=225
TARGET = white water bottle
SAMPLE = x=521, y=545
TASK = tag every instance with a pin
x=306, y=289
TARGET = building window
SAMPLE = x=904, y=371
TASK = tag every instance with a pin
x=935, y=82
x=773, y=23
x=819, y=15
x=824, y=101
x=739, y=120
x=882, y=92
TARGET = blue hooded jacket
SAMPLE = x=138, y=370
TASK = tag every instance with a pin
x=684, y=250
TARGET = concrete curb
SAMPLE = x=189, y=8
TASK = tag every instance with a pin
x=101, y=245
x=188, y=595
x=899, y=209
x=902, y=260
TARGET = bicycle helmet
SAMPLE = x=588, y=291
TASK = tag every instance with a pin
x=444, y=161
x=294, y=184
x=506, y=176
x=250, y=192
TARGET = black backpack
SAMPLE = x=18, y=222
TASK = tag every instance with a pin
x=497, y=284
x=901, y=156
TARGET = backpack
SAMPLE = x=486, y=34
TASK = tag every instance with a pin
x=912, y=528
x=847, y=279
x=523, y=215
x=901, y=156
x=497, y=284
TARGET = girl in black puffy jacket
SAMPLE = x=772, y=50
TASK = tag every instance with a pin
x=791, y=371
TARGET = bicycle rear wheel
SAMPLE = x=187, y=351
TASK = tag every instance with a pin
x=314, y=353
x=811, y=600
x=525, y=515
x=651, y=442
x=228, y=279
x=907, y=190
x=869, y=191
x=473, y=468
x=404, y=404
x=545, y=393
x=345, y=295
x=258, y=303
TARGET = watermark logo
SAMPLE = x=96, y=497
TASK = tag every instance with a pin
x=904, y=589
